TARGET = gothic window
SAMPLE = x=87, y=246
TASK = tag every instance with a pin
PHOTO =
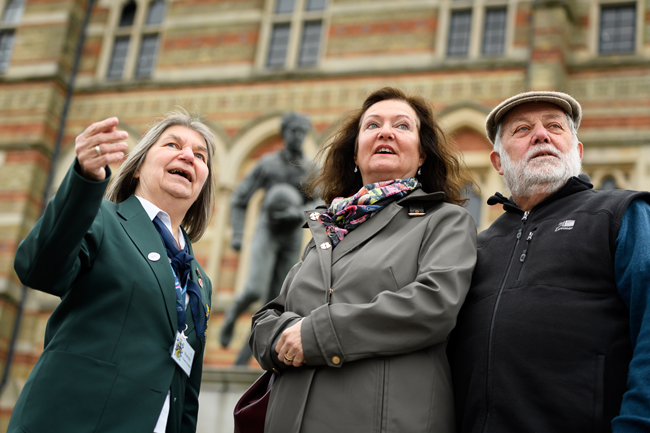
x=608, y=183
x=136, y=40
x=459, y=32
x=617, y=28
x=475, y=28
x=494, y=31
x=474, y=204
x=295, y=35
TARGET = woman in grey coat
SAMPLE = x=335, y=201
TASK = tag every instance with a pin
x=359, y=331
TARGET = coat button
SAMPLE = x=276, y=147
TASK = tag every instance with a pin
x=154, y=257
x=314, y=216
x=325, y=245
x=336, y=360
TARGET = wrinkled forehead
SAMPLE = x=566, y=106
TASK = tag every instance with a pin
x=532, y=111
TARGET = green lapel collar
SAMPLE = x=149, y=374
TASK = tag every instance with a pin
x=142, y=232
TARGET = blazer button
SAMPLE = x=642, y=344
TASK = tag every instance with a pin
x=336, y=360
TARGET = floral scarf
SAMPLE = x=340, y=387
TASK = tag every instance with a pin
x=347, y=213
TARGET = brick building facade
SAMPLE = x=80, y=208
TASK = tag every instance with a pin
x=242, y=63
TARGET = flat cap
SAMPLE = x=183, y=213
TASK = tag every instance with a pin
x=562, y=100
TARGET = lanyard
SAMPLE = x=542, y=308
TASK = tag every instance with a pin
x=180, y=302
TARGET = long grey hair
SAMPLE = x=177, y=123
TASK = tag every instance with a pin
x=124, y=183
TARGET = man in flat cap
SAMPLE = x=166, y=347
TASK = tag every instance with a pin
x=554, y=335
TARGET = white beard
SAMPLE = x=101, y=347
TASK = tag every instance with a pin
x=529, y=177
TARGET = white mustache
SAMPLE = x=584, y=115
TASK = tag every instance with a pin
x=542, y=149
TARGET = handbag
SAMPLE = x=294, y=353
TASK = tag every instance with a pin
x=250, y=410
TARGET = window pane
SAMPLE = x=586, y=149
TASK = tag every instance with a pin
x=459, y=28
x=13, y=11
x=608, y=183
x=128, y=14
x=6, y=47
x=474, y=204
x=156, y=12
x=310, y=43
x=278, y=48
x=147, y=56
x=617, y=29
x=284, y=6
x=315, y=5
x=494, y=31
x=118, y=57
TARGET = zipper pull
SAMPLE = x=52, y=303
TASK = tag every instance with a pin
x=523, y=256
x=525, y=217
x=530, y=236
x=519, y=234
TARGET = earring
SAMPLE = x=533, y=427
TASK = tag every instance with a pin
x=356, y=168
x=419, y=170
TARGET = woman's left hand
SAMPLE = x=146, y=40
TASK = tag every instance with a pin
x=289, y=348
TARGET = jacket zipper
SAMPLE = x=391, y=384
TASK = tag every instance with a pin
x=524, y=253
x=488, y=382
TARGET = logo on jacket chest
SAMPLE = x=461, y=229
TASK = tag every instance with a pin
x=565, y=225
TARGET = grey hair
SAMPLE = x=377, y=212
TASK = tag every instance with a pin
x=124, y=182
x=498, y=145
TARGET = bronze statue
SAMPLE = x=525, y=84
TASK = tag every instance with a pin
x=276, y=243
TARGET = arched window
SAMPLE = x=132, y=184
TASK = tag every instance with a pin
x=296, y=32
x=135, y=45
x=608, y=183
x=156, y=12
x=475, y=203
x=128, y=14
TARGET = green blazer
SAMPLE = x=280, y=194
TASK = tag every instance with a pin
x=106, y=365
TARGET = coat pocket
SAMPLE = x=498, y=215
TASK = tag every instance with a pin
x=69, y=391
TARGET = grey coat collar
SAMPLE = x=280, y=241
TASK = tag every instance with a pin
x=328, y=255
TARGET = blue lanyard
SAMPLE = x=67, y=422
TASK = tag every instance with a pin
x=180, y=302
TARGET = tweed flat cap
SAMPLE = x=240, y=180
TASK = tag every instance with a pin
x=562, y=100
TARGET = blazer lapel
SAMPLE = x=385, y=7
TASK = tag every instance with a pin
x=142, y=232
x=376, y=223
x=323, y=247
x=365, y=231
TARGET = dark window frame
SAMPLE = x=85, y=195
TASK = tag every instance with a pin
x=616, y=32
x=493, y=43
x=460, y=31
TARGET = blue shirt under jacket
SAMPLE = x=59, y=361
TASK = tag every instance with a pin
x=632, y=271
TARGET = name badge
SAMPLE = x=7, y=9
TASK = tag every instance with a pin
x=183, y=353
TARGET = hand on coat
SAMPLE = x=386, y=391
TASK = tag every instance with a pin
x=99, y=146
x=290, y=344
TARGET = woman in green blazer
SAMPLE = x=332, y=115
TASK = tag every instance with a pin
x=134, y=303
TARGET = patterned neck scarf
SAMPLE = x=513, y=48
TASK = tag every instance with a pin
x=347, y=213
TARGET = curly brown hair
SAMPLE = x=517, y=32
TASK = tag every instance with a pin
x=443, y=169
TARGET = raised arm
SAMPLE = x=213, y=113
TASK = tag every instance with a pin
x=62, y=241
x=239, y=202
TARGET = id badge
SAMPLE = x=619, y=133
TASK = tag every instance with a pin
x=183, y=353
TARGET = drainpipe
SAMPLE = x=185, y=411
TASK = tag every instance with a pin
x=48, y=183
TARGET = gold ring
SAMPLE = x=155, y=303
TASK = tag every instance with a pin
x=98, y=150
x=286, y=358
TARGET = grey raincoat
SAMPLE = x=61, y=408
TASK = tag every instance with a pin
x=377, y=311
